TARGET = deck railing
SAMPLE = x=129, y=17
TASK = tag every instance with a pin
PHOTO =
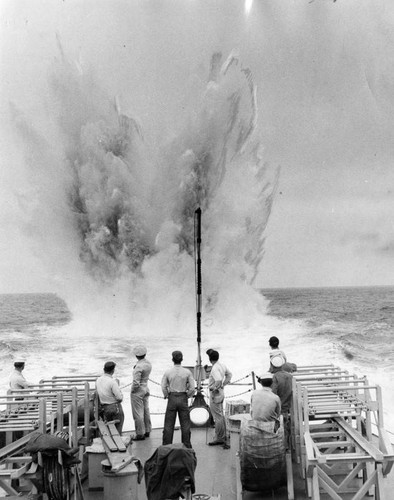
x=333, y=417
x=59, y=404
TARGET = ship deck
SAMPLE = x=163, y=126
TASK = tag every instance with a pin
x=339, y=447
x=216, y=473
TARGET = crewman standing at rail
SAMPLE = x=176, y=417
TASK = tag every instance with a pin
x=139, y=396
x=282, y=385
x=110, y=396
x=177, y=385
x=219, y=376
x=17, y=379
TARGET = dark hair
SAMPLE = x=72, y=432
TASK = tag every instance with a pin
x=274, y=341
x=213, y=355
x=265, y=382
x=19, y=364
x=177, y=357
x=109, y=366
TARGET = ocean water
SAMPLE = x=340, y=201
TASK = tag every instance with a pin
x=348, y=327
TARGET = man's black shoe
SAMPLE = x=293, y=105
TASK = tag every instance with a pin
x=137, y=438
x=147, y=434
x=215, y=443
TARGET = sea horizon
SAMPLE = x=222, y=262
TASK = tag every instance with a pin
x=256, y=288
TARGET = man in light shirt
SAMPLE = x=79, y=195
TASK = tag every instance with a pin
x=177, y=385
x=264, y=404
x=219, y=376
x=110, y=396
x=17, y=379
x=139, y=395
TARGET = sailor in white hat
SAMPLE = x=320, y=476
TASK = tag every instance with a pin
x=282, y=383
x=139, y=395
x=264, y=404
x=277, y=361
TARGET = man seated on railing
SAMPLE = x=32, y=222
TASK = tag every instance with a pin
x=276, y=353
x=110, y=397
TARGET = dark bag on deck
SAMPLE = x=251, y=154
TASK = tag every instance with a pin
x=50, y=444
x=166, y=470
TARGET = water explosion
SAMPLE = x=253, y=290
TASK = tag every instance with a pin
x=127, y=204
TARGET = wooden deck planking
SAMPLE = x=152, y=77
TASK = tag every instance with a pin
x=214, y=473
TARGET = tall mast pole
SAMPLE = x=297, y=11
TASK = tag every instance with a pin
x=199, y=410
x=197, y=246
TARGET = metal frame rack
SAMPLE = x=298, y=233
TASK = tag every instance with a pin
x=338, y=434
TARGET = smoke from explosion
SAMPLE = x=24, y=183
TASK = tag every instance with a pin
x=114, y=210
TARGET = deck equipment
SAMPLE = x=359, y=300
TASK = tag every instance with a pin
x=338, y=434
x=199, y=410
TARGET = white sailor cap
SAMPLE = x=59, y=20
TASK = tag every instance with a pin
x=277, y=361
x=264, y=375
x=139, y=350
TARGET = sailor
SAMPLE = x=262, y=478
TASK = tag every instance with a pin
x=17, y=379
x=110, y=396
x=275, y=351
x=139, y=396
x=208, y=368
x=282, y=385
x=264, y=404
x=219, y=376
x=177, y=385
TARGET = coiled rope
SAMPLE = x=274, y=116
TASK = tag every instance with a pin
x=56, y=478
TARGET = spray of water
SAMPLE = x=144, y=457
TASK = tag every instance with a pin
x=118, y=209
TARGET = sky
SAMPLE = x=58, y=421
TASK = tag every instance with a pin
x=324, y=72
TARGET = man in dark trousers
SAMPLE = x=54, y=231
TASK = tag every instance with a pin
x=219, y=376
x=177, y=385
x=282, y=385
x=110, y=396
x=139, y=395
